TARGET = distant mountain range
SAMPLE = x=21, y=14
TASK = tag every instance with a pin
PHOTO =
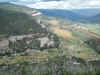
x=62, y=14
x=78, y=10
x=91, y=15
x=84, y=16
x=87, y=12
x=95, y=19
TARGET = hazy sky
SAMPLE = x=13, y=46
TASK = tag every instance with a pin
x=57, y=4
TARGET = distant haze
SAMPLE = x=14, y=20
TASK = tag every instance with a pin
x=58, y=4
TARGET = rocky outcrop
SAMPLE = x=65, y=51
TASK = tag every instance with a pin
x=24, y=30
x=39, y=42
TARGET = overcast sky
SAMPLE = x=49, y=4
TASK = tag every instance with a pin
x=57, y=4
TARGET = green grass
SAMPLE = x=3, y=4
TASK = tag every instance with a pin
x=76, y=46
x=94, y=28
x=97, y=71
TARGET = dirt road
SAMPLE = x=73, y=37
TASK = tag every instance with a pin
x=90, y=34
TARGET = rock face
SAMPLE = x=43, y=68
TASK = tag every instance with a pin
x=36, y=41
x=45, y=41
x=39, y=42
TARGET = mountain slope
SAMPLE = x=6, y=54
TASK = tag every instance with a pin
x=16, y=19
x=22, y=26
